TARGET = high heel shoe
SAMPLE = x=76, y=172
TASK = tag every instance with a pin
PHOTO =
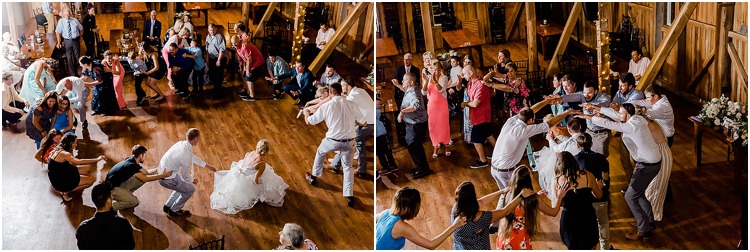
x=152, y=96
x=160, y=99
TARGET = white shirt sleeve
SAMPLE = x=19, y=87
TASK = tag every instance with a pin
x=535, y=129
x=609, y=112
x=317, y=117
x=627, y=127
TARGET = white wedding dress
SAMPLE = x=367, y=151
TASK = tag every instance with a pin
x=234, y=189
x=545, y=167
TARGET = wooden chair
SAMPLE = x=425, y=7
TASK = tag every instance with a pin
x=522, y=68
x=41, y=20
x=210, y=245
x=230, y=27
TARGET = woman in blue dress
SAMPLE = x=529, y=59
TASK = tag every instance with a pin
x=103, y=101
x=37, y=81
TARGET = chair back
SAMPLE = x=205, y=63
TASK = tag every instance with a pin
x=522, y=68
x=210, y=245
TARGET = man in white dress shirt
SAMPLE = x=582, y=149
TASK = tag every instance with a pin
x=341, y=117
x=324, y=35
x=364, y=102
x=77, y=91
x=645, y=152
x=638, y=64
x=511, y=143
x=180, y=159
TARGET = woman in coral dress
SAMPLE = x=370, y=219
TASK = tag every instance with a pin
x=437, y=108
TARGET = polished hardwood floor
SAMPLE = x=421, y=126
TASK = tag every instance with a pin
x=705, y=213
x=34, y=218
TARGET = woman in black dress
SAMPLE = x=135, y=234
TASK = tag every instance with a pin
x=578, y=225
x=64, y=174
x=104, y=101
x=157, y=69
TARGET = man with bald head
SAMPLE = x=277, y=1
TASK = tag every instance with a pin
x=77, y=91
x=151, y=30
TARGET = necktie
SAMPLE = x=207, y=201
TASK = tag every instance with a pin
x=70, y=30
x=151, y=33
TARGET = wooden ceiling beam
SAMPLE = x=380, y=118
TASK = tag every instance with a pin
x=678, y=26
x=266, y=16
x=359, y=9
x=531, y=37
x=514, y=19
x=554, y=65
x=429, y=38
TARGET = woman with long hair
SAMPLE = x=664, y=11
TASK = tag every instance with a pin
x=64, y=116
x=517, y=229
x=64, y=174
x=49, y=143
x=392, y=231
x=438, y=120
x=103, y=101
x=157, y=69
x=37, y=80
x=578, y=225
x=656, y=191
x=42, y=117
x=475, y=235
x=112, y=62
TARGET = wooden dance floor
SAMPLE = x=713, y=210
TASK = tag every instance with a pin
x=34, y=218
x=705, y=213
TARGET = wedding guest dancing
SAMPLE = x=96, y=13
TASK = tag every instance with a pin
x=13, y=104
x=414, y=115
x=41, y=119
x=103, y=101
x=180, y=159
x=364, y=102
x=392, y=230
x=643, y=149
x=106, y=230
x=597, y=165
x=438, y=119
x=341, y=117
x=248, y=181
x=64, y=175
x=128, y=175
x=77, y=91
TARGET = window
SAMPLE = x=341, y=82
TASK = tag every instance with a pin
x=670, y=13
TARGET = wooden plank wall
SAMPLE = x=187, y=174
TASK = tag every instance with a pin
x=351, y=45
x=740, y=43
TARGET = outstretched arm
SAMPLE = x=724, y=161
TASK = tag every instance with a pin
x=403, y=229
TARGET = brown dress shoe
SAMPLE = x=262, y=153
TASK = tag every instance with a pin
x=638, y=236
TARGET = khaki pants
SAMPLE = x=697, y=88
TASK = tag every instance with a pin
x=122, y=196
x=51, y=22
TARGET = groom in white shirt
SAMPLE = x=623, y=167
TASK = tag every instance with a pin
x=180, y=159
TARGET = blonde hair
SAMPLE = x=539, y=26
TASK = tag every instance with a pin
x=262, y=147
x=6, y=75
x=322, y=90
x=184, y=32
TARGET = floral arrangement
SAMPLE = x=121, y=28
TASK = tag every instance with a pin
x=447, y=55
x=725, y=113
x=181, y=14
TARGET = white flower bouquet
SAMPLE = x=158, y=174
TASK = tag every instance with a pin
x=725, y=113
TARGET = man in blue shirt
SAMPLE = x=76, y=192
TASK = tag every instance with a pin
x=627, y=92
x=181, y=68
x=301, y=86
x=68, y=32
x=592, y=96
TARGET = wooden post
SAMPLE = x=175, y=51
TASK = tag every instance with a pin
x=299, y=26
x=514, y=19
x=602, y=47
x=171, y=6
x=338, y=36
x=724, y=14
x=429, y=39
x=678, y=26
x=246, y=13
x=531, y=36
x=381, y=21
x=269, y=12
x=560, y=49
x=12, y=18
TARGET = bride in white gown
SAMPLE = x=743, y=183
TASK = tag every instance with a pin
x=248, y=181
